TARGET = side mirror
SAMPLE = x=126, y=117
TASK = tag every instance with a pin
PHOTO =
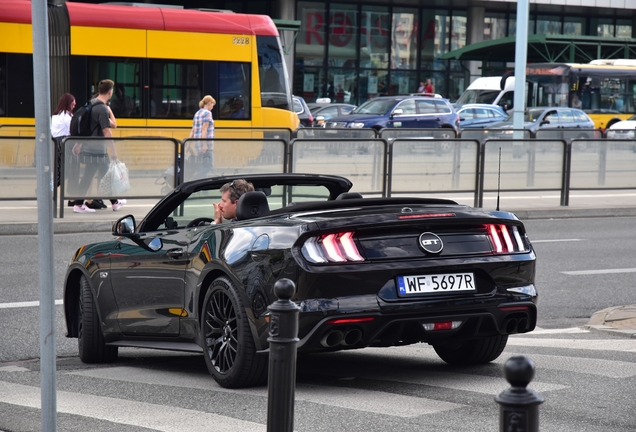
x=397, y=111
x=125, y=226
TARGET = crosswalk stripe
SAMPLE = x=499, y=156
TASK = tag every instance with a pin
x=605, y=368
x=623, y=345
x=348, y=398
x=128, y=412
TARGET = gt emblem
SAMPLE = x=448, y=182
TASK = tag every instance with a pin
x=431, y=243
x=103, y=275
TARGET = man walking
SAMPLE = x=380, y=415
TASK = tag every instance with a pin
x=94, y=154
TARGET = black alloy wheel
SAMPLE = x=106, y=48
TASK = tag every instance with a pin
x=228, y=347
x=90, y=339
x=473, y=351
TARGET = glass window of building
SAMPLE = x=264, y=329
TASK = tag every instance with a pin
x=623, y=28
x=342, y=85
x=495, y=26
x=403, y=82
x=372, y=83
x=458, y=31
x=343, y=35
x=374, y=37
x=604, y=26
x=574, y=26
x=311, y=39
x=404, y=25
x=549, y=25
x=434, y=40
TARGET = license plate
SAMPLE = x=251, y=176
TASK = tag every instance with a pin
x=437, y=283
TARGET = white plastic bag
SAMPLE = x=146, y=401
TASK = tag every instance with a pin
x=116, y=181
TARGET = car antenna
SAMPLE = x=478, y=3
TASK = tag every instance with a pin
x=499, y=179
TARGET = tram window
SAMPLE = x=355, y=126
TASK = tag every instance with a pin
x=271, y=69
x=175, y=89
x=234, y=91
x=3, y=85
x=126, y=100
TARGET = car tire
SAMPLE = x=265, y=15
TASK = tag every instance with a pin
x=228, y=346
x=90, y=339
x=473, y=351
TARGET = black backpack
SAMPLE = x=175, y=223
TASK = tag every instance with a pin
x=81, y=121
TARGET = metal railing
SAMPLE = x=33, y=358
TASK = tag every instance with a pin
x=377, y=166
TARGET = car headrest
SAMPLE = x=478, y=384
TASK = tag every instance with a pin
x=349, y=195
x=251, y=205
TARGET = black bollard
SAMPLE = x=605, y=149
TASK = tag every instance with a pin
x=283, y=338
x=518, y=405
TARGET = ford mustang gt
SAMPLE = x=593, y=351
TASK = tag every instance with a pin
x=369, y=272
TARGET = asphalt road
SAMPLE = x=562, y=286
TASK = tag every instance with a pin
x=583, y=265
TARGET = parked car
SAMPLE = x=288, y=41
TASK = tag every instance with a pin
x=325, y=111
x=622, y=129
x=473, y=116
x=367, y=272
x=304, y=114
x=545, y=118
x=407, y=112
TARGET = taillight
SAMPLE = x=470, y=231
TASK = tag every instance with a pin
x=505, y=239
x=337, y=248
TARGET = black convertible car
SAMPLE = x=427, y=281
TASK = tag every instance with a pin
x=368, y=272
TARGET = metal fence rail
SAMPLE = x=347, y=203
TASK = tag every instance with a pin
x=377, y=166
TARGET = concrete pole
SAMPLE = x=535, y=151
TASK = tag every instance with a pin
x=521, y=58
x=44, y=170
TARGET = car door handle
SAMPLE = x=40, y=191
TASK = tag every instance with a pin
x=175, y=253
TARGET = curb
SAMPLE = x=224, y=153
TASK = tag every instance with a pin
x=630, y=334
x=58, y=228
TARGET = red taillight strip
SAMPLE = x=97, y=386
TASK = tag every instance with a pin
x=335, y=248
x=332, y=249
x=505, y=239
x=349, y=247
x=349, y=320
x=513, y=308
x=494, y=237
x=426, y=215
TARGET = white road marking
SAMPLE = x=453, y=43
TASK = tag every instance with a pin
x=128, y=412
x=26, y=304
x=602, y=271
x=605, y=368
x=621, y=345
x=348, y=398
x=571, y=330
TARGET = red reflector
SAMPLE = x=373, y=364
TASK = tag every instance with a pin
x=349, y=320
x=427, y=215
x=514, y=308
x=447, y=325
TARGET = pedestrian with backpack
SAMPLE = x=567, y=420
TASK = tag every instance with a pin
x=95, y=154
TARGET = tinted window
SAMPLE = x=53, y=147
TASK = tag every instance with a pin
x=426, y=106
x=407, y=107
x=234, y=91
x=272, y=73
x=442, y=107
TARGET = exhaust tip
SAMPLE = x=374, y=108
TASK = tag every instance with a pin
x=510, y=326
x=522, y=325
x=352, y=337
x=332, y=339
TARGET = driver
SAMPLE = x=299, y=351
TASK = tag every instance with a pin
x=230, y=194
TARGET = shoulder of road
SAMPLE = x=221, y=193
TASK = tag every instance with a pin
x=21, y=218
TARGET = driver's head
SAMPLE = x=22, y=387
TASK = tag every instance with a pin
x=230, y=194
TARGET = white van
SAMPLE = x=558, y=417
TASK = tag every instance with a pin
x=487, y=90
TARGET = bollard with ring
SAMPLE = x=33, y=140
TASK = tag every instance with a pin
x=283, y=338
x=518, y=405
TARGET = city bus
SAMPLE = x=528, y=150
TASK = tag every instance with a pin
x=163, y=60
x=604, y=89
